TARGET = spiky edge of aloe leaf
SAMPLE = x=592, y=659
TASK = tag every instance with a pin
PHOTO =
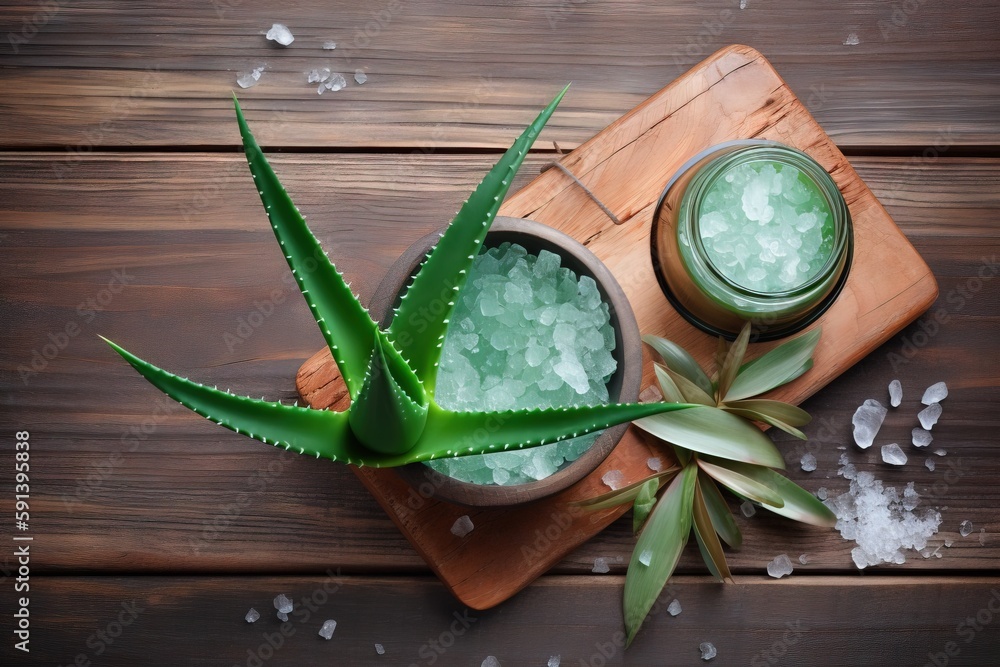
x=322, y=433
x=346, y=326
x=383, y=416
x=666, y=534
x=420, y=322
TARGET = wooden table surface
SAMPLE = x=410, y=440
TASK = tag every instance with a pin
x=126, y=210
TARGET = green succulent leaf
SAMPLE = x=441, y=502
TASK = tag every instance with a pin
x=713, y=431
x=417, y=332
x=732, y=361
x=779, y=366
x=780, y=415
x=386, y=416
x=689, y=392
x=742, y=479
x=665, y=536
x=345, y=324
x=678, y=360
x=322, y=433
x=644, y=501
x=718, y=511
x=708, y=541
x=798, y=504
x=669, y=388
x=626, y=494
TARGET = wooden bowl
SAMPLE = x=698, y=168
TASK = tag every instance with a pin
x=623, y=387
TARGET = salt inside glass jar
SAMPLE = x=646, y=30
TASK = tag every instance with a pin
x=752, y=230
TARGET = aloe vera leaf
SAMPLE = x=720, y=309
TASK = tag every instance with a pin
x=740, y=478
x=450, y=433
x=625, y=494
x=385, y=417
x=718, y=511
x=345, y=324
x=708, y=541
x=732, y=362
x=798, y=504
x=322, y=433
x=779, y=366
x=713, y=431
x=680, y=361
x=420, y=322
x=777, y=414
x=665, y=535
x=644, y=501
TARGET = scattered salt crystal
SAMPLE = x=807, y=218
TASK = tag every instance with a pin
x=674, y=608
x=378, y=647
x=360, y=77
x=249, y=79
x=318, y=75
x=929, y=463
x=895, y=393
x=614, y=479
x=748, y=509
x=282, y=616
x=929, y=415
x=491, y=661
x=965, y=528
x=281, y=34
x=940, y=452
x=921, y=437
x=283, y=604
x=554, y=661
x=252, y=615
x=822, y=493
x=707, y=651
x=334, y=83
x=654, y=463
x=646, y=557
x=982, y=537
x=852, y=40
x=808, y=462
x=893, y=455
x=780, y=566
x=326, y=632
x=867, y=421
x=329, y=45
x=463, y=526
x=910, y=497
x=948, y=543
x=876, y=518
x=935, y=393
x=600, y=566
x=743, y=4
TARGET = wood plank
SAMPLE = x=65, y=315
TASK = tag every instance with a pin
x=191, y=232
x=446, y=75
x=802, y=620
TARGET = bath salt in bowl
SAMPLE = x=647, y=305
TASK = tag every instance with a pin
x=541, y=322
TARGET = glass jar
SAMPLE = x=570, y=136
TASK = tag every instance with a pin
x=751, y=230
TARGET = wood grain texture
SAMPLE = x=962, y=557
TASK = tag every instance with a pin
x=735, y=94
x=456, y=75
x=188, y=496
x=821, y=621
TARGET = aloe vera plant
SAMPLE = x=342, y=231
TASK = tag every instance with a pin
x=668, y=506
x=390, y=374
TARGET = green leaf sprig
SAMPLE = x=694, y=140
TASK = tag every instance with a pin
x=390, y=374
x=714, y=443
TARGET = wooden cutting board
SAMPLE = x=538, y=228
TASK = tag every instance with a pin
x=734, y=94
